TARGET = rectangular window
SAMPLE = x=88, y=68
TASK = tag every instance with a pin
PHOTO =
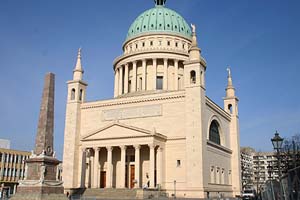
x=212, y=175
x=178, y=163
x=140, y=83
x=159, y=82
x=222, y=177
x=179, y=83
x=229, y=177
x=218, y=175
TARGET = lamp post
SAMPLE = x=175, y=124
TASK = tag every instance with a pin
x=277, y=144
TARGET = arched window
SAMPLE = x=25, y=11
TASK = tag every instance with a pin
x=214, y=134
x=80, y=95
x=73, y=94
x=230, y=108
x=193, y=77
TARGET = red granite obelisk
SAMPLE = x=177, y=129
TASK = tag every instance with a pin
x=41, y=181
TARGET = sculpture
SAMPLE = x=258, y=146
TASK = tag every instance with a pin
x=193, y=28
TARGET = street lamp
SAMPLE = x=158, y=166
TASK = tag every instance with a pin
x=277, y=144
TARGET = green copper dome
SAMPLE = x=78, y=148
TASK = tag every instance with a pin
x=161, y=20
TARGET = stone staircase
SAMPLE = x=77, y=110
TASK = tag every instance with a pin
x=116, y=194
x=110, y=193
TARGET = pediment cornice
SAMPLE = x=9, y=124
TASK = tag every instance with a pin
x=130, y=132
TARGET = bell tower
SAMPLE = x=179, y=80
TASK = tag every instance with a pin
x=76, y=96
x=194, y=85
x=231, y=106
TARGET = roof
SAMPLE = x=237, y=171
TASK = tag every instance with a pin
x=159, y=20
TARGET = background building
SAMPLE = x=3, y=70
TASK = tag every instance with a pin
x=247, y=167
x=257, y=168
x=12, y=168
x=264, y=168
x=5, y=144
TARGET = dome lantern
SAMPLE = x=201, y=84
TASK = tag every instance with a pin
x=160, y=2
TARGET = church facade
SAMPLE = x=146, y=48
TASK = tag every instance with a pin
x=160, y=130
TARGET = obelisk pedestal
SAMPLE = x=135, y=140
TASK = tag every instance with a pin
x=41, y=181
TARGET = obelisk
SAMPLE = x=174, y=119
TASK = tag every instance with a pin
x=41, y=181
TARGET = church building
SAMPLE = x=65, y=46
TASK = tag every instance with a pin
x=160, y=130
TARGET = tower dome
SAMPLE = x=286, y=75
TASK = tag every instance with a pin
x=159, y=20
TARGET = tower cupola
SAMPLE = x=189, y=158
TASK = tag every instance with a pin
x=194, y=51
x=78, y=71
x=160, y=2
x=230, y=90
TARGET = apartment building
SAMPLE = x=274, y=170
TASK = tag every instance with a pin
x=247, y=167
x=257, y=167
x=264, y=167
x=12, y=169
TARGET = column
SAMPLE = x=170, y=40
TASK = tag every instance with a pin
x=154, y=73
x=152, y=165
x=83, y=167
x=134, y=76
x=144, y=75
x=116, y=92
x=96, y=168
x=159, y=163
x=123, y=166
x=165, y=84
x=137, y=166
x=176, y=74
x=126, y=79
x=120, y=80
x=109, y=173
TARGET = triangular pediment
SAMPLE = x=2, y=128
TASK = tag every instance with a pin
x=117, y=130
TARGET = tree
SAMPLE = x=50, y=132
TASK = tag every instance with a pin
x=290, y=154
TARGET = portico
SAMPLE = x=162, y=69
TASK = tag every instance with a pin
x=120, y=160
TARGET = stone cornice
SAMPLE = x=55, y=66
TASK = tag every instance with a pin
x=77, y=81
x=158, y=34
x=134, y=99
x=150, y=51
x=217, y=108
x=190, y=62
x=144, y=133
x=219, y=147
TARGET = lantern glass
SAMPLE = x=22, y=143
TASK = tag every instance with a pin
x=277, y=141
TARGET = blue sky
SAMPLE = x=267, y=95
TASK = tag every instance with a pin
x=259, y=39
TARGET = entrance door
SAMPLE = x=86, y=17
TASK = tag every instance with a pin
x=103, y=179
x=132, y=176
